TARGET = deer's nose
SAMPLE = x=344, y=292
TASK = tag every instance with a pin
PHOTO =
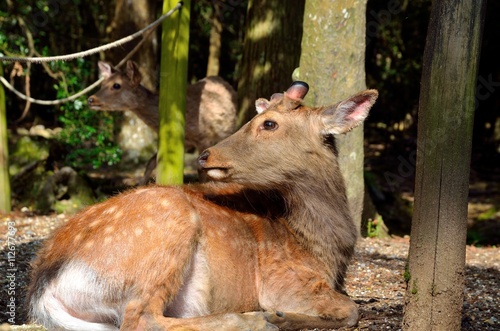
x=202, y=159
x=90, y=100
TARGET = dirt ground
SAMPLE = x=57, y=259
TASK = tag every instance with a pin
x=375, y=279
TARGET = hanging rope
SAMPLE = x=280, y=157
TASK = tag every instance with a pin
x=50, y=102
x=145, y=32
x=93, y=50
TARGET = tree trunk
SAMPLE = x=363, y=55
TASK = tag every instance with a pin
x=333, y=64
x=215, y=41
x=5, y=205
x=172, y=107
x=435, y=273
x=129, y=17
x=270, y=51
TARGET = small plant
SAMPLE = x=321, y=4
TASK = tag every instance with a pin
x=407, y=275
x=488, y=214
x=414, y=289
x=375, y=227
x=87, y=135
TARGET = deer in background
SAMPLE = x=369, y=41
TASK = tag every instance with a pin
x=264, y=245
x=210, y=106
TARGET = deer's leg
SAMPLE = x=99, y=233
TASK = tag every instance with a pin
x=303, y=296
x=310, y=309
x=256, y=321
x=150, y=167
x=147, y=311
x=326, y=311
x=168, y=254
x=298, y=321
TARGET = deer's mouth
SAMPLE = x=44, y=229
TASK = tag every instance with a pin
x=213, y=171
x=217, y=173
x=93, y=103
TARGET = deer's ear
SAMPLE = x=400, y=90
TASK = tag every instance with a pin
x=348, y=114
x=297, y=91
x=276, y=96
x=133, y=73
x=261, y=104
x=105, y=68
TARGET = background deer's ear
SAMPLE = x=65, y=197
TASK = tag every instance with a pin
x=133, y=73
x=105, y=68
x=348, y=114
x=261, y=104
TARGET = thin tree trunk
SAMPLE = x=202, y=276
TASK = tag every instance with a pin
x=215, y=41
x=172, y=107
x=333, y=63
x=5, y=205
x=271, y=51
x=129, y=17
x=435, y=273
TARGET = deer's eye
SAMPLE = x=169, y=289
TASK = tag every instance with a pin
x=269, y=125
x=116, y=86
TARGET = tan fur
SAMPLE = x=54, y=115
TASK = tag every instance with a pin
x=265, y=246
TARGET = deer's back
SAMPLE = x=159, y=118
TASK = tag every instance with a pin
x=211, y=112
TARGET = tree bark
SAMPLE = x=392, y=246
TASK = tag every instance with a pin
x=5, y=205
x=129, y=17
x=270, y=51
x=435, y=272
x=215, y=41
x=172, y=107
x=333, y=64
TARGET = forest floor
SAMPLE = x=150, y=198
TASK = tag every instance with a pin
x=375, y=278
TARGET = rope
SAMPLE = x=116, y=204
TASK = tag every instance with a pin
x=50, y=102
x=146, y=31
x=93, y=50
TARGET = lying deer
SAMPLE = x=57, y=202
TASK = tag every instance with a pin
x=210, y=105
x=265, y=245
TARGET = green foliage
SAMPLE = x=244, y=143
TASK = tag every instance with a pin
x=414, y=288
x=26, y=150
x=88, y=145
x=87, y=135
x=375, y=227
x=55, y=27
x=488, y=214
x=407, y=274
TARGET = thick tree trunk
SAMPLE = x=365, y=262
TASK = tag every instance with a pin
x=5, y=205
x=435, y=273
x=131, y=16
x=172, y=107
x=271, y=51
x=333, y=63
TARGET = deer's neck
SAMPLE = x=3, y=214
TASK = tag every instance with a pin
x=146, y=107
x=322, y=222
